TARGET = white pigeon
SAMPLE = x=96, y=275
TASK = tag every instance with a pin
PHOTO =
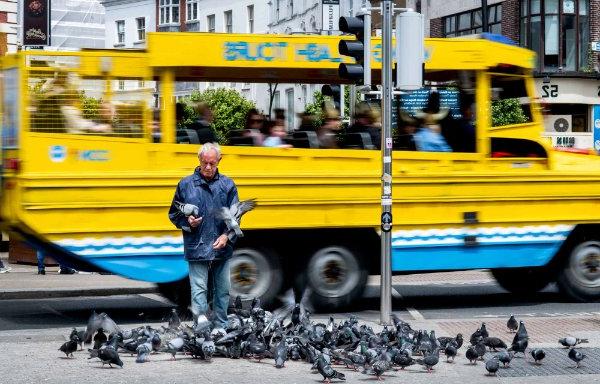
x=187, y=209
x=232, y=215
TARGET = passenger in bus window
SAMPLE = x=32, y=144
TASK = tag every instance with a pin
x=327, y=133
x=466, y=126
x=255, y=125
x=405, y=141
x=367, y=119
x=156, y=125
x=276, y=135
x=307, y=122
x=429, y=137
x=202, y=123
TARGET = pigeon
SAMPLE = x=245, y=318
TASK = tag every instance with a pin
x=281, y=352
x=109, y=356
x=492, y=366
x=570, y=341
x=519, y=346
x=70, y=346
x=378, y=368
x=208, y=346
x=512, y=324
x=174, y=346
x=80, y=335
x=538, y=355
x=174, y=321
x=99, y=339
x=505, y=357
x=444, y=340
x=430, y=360
x=143, y=351
x=472, y=355
x=232, y=215
x=576, y=356
x=326, y=371
x=493, y=343
x=480, y=349
x=403, y=359
x=187, y=209
x=521, y=332
x=97, y=321
x=450, y=352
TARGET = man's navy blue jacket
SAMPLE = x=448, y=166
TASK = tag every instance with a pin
x=209, y=197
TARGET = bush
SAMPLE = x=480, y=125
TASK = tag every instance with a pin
x=506, y=112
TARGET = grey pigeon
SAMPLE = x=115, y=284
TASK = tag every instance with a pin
x=570, y=341
x=492, y=366
x=280, y=354
x=519, y=346
x=576, y=356
x=70, y=346
x=403, y=359
x=143, y=351
x=99, y=339
x=480, y=349
x=174, y=321
x=109, y=356
x=326, y=371
x=232, y=215
x=208, y=346
x=472, y=355
x=512, y=324
x=538, y=355
x=173, y=346
x=80, y=335
x=505, y=357
x=187, y=209
x=494, y=343
x=430, y=360
x=521, y=332
x=450, y=351
x=97, y=321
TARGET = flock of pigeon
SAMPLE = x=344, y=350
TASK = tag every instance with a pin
x=290, y=334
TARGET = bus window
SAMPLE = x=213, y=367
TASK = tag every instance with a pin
x=63, y=102
x=510, y=103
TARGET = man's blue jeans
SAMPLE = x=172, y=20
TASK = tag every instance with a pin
x=199, y=275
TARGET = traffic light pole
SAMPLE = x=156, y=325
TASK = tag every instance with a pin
x=386, y=154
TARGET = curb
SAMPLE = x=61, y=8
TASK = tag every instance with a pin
x=43, y=293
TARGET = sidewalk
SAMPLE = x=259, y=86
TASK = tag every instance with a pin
x=23, y=282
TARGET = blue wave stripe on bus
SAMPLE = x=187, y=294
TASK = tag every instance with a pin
x=150, y=268
x=475, y=257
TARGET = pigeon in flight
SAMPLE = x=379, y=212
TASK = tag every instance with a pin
x=187, y=209
x=233, y=214
x=570, y=341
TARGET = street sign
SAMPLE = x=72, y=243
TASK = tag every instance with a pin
x=595, y=46
x=386, y=221
x=331, y=15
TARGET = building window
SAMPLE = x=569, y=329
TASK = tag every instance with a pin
x=120, y=31
x=228, y=21
x=192, y=10
x=250, y=18
x=210, y=23
x=290, y=8
x=141, y=28
x=558, y=31
x=468, y=23
x=121, y=85
x=169, y=11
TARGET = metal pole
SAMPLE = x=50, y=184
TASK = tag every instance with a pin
x=386, y=154
x=352, y=103
x=484, y=16
x=342, y=100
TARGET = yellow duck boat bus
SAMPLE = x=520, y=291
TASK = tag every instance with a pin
x=88, y=176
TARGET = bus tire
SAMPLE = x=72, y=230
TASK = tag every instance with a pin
x=178, y=292
x=336, y=277
x=579, y=278
x=256, y=272
x=522, y=280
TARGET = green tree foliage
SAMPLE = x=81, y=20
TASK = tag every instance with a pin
x=90, y=106
x=316, y=108
x=229, y=109
x=506, y=112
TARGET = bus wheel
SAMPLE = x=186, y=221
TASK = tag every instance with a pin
x=255, y=272
x=179, y=292
x=336, y=277
x=522, y=280
x=579, y=278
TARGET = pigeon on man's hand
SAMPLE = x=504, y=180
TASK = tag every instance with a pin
x=576, y=356
x=187, y=209
x=570, y=341
x=232, y=215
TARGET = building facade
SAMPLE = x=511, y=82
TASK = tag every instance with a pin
x=563, y=33
x=127, y=22
x=8, y=26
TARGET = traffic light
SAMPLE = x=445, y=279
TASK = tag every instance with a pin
x=333, y=91
x=359, y=49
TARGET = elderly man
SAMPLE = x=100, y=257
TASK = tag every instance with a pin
x=207, y=247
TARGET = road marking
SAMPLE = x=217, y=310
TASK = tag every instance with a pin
x=416, y=315
x=396, y=294
x=155, y=297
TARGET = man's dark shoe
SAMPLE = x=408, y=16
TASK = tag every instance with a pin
x=41, y=271
x=66, y=271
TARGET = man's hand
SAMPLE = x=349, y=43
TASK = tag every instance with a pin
x=193, y=222
x=220, y=242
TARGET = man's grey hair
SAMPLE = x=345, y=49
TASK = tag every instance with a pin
x=207, y=147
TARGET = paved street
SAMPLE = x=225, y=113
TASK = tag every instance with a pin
x=32, y=330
